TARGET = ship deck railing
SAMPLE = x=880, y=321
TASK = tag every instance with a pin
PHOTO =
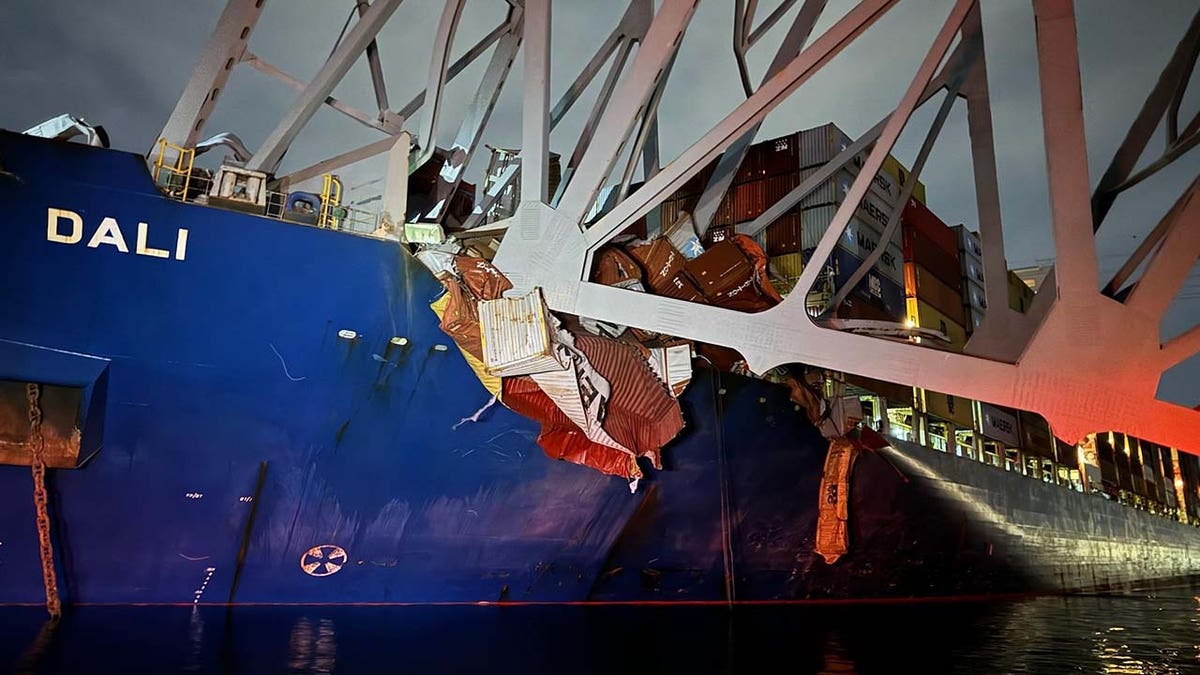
x=194, y=188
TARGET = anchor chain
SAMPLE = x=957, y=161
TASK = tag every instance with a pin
x=33, y=392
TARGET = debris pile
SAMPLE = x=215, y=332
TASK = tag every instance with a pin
x=606, y=395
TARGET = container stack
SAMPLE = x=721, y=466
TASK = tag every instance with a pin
x=933, y=280
x=970, y=252
x=773, y=168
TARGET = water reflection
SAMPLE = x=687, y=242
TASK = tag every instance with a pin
x=312, y=649
x=1150, y=632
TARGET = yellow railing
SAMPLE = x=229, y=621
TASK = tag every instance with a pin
x=331, y=202
x=179, y=173
x=177, y=178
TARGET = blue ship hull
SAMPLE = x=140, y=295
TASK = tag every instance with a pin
x=202, y=375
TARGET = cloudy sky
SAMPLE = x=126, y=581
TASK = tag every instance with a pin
x=123, y=63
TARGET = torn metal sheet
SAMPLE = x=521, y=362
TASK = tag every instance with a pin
x=673, y=365
x=577, y=389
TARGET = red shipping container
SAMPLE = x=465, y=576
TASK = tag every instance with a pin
x=781, y=155
x=930, y=289
x=749, y=200
x=918, y=216
x=922, y=250
x=783, y=235
x=779, y=186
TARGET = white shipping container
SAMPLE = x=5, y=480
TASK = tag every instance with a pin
x=1000, y=425
x=974, y=318
x=834, y=191
x=516, y=336
x=974, y=297
x=859, y=238
x=821, y=144
x=968, y=242
x=972, y=270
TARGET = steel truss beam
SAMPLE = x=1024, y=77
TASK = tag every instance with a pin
x=1057, y=359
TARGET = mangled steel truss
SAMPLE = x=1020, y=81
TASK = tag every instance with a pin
x=1060, y=359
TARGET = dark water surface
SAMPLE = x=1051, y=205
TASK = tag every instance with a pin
x=1137, y=632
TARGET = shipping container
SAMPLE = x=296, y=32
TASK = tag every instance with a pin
x=918, y=217
x=717, y=234
x=968, y=242
x=874, y=286
x=515, y=336
x=919, y=283
x=1000, y=424
x=950, y=408
x=821, y=144
x=771, y=157
x=972, y=270
x=973, y=297
x=778, y=187
x=834, y=189
x=893, y=168
x=1035, y=435
x=787, y=266
x=855, y=306
x=974, y=319
x=782, y=236
x=921, y=250
x=749, y=200
x=926, y=316
x=859, y=237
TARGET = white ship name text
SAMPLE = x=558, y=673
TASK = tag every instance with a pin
x=66, y=227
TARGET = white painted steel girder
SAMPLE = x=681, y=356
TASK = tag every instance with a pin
x=1085, y=358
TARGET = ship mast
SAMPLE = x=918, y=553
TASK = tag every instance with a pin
x=1058, y=359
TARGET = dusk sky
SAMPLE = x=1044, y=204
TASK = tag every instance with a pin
x=122, y=64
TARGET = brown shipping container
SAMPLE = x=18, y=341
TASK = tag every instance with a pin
x=722, y=267
x=944, y=265
x=931, y=290
x=782, y=236
x=779, y=155
x=669, y=212
x=724, y=213
x=660, y=260
x=679, y=286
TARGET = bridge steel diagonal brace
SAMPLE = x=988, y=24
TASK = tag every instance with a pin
x=1058, y=375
